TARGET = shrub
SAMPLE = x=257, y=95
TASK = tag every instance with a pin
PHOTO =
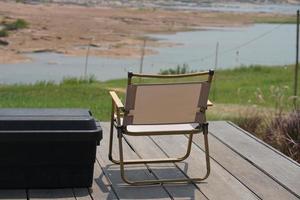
x=184, y=69
x=44, y=83
x=279, y=128
x=284, y=134
x=74, y=80
x=250, y=120
x=3, y=33
x=18, y=24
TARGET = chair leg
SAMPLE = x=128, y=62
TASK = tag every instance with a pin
x=111, y=141
x=110, y=157
x=160, y=181
x=189, y=147
x=111, y=134
x=205, y=134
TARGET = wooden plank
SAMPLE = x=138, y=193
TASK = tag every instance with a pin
x=274, y=164
x=12, y=194
x=82, y=194
x=137, y=172
x=219, y=185
x=50, y=194
x=101, y=189
x=146, y=148
x=253, y=178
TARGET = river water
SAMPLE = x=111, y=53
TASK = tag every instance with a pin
x=265, y=44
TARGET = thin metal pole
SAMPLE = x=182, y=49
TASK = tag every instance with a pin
x=217, y=54
x=142, y=57
x=216, y=67
x=297, y=63
x=86, y=59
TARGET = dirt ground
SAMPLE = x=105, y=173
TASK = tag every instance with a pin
x=111, y=32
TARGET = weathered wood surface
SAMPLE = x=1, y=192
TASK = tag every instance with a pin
x=219, y=183
x=13, y=194
x=246, y=173
x=242, y=167
x=50, y=194
x=274, y=164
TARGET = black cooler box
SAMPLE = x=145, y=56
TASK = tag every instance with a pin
x=47, y=148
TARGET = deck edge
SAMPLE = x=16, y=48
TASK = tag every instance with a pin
x=252, y=163
x=263, y=143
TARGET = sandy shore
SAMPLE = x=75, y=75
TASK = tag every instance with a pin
x=111, y=32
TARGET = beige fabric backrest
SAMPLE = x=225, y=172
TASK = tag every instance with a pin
x=166, y=103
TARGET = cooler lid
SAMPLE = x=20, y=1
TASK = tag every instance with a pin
x=46, y=119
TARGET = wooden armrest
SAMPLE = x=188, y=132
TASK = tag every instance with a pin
x=116, y=99
x=209, y=103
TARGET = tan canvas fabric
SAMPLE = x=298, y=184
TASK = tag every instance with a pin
x=161, y=128
x=166, y=103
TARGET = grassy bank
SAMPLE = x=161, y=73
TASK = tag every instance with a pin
x=270, y=18
x=11, y=26
x=254, y=84
x=48, y=95
x=276, y=19
x=243, y=86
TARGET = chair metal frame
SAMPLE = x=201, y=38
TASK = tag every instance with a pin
x=118, y=110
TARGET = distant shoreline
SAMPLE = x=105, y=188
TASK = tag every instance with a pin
x=112, y=32
x=287, y=7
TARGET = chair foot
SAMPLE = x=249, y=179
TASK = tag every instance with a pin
x=163, y=181
x=147, y=161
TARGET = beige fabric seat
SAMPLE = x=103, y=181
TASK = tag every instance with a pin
x=160, y=129
x=161, y=109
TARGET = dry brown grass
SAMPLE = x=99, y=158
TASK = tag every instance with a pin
x=279, y=127
x=283, y=133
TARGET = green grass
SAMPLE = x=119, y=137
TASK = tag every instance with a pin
x=49, y=95
x=76, y=93
x=238, y=86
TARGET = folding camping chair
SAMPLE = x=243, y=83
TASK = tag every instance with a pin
x=161, y=109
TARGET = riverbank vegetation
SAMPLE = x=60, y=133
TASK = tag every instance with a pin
x=257, y=98
x=12, y=26
x=279, y=19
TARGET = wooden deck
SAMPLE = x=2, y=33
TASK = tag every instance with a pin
x=242, y=167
